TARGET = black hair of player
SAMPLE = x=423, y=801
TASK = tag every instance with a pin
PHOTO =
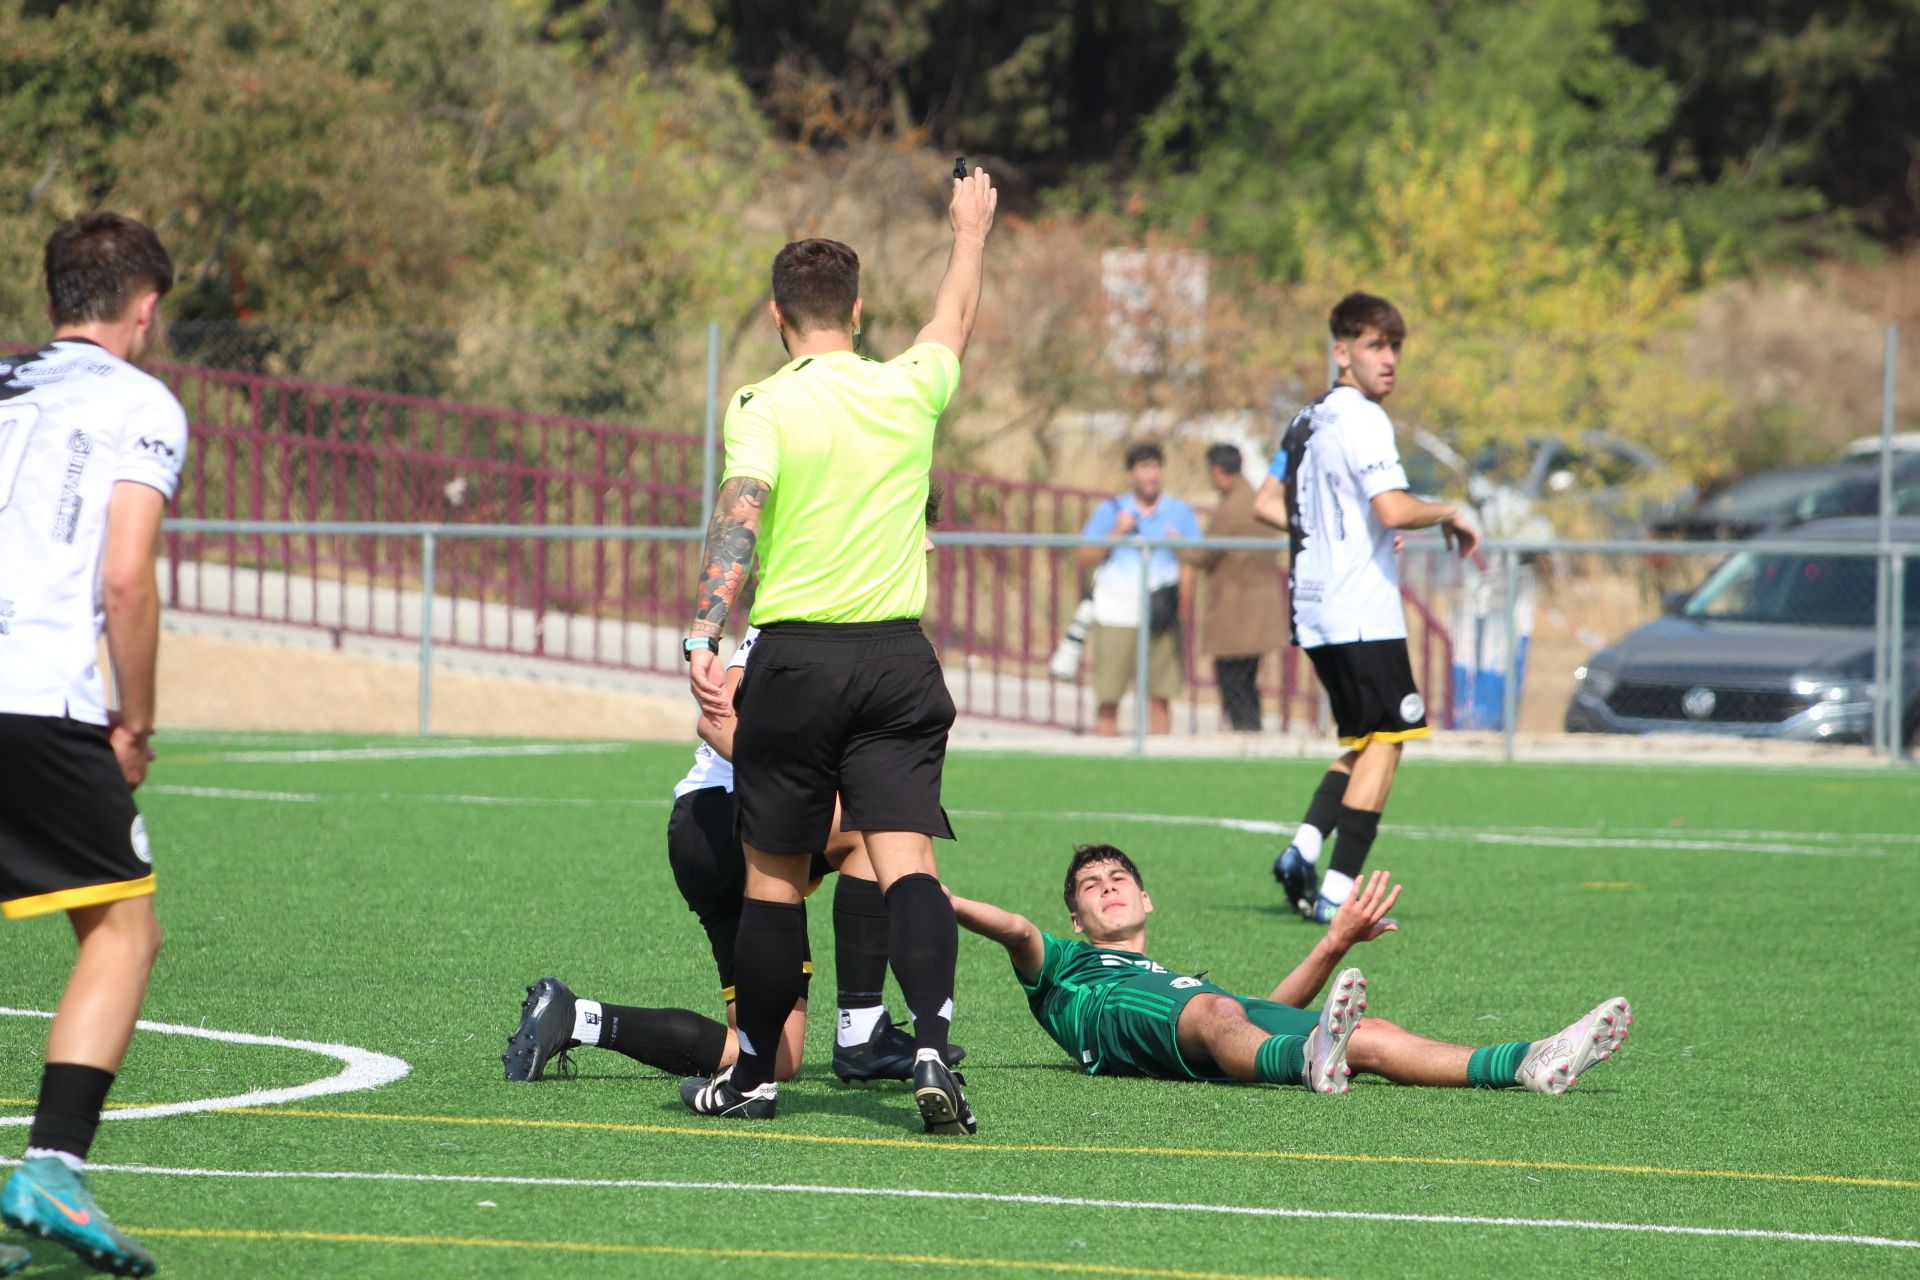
x=1226, y=457
x=1087, y=855
x=96, y=261
x=936, y=498
x=816, y=282
x=1145, y=453
x=1358, y=312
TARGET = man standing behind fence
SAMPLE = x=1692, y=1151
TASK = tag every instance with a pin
x=1337, y=486
x=826, y=479
x=1147, y=512
x=90, y=451
x=1242, y=596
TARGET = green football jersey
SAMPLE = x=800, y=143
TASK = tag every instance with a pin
x=1070, y=994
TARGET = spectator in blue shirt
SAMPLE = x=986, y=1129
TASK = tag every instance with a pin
x=1147, y=512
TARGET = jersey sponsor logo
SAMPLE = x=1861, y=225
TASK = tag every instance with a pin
x=6, y=617
x=1384, y=464
x=154, y=447
x=1412, y=708
x=1112, y=961
x=142, y=849
x=744, y=397
x=66, y=515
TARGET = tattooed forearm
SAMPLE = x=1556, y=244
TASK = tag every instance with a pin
x=729, y=552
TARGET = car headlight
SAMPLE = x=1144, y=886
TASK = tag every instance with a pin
x=1835, y=691
x=1597, y=681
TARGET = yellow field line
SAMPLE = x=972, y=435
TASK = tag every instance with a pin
x=921, y=1144
x=679, y=1251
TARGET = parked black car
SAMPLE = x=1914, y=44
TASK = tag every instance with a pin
x=1790, y=496
x=1774, y=644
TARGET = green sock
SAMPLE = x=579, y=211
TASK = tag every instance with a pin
x=1497, y=1066
x=1281, y=1060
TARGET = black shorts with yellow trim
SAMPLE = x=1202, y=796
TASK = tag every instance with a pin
x=710, y=868
x=70, y=835
x=1370, y=689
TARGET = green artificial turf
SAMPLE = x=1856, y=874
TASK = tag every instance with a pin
x=1759, y=920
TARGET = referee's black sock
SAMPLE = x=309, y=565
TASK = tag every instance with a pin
x=769, y=978
x=679, y=1042
x=68, y=1113
x=1357, y=829
x=923, y=942
x=1323, y=811
x=859, y=956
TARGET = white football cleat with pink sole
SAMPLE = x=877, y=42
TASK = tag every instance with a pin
x=1554, y=1065
x=1327, y=1068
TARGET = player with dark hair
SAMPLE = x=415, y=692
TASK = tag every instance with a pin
x=826, y=479
x=710, y=869
x=1116, y=1012
x=1337, y=486
x=90, y=452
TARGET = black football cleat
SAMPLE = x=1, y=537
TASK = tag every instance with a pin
x=887, y=1055
x=546, y=1029
x=718, y=1097
x=936, y=1088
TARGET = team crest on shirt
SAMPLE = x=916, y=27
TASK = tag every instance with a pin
x=1412, y=708
x=141, y=849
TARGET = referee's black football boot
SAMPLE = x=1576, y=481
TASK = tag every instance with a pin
x=545, y=1030
x=936, y=1087
x=886, y=1055
x=718, y=1097
x=1299, y=880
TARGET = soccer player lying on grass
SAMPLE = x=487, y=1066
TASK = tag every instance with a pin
x=1116, y=1012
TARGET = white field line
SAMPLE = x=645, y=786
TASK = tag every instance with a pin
x=336, y=754
x=360, y=1069
x=1695, y=840
x=993, y=1197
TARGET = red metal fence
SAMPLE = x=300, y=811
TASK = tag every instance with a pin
x=266, y=448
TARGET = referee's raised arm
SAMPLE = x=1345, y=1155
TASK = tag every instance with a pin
x=956, y=305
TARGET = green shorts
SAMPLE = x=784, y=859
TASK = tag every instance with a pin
x=1138, y=1030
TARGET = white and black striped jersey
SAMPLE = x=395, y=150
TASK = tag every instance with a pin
x=1335, y=456
x=74, y=421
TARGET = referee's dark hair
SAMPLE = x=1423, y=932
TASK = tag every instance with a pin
x=1226, y=457
x=816, y=282
x=1086, y=855
x=96, y=261
x=1358, y=312
x=1145, y=453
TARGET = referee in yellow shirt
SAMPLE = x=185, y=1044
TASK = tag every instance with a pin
x=826, y=481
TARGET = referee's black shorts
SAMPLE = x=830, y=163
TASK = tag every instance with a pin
x=70, y=835
x=857, y=709
x=1370, y=688
x=710, y=869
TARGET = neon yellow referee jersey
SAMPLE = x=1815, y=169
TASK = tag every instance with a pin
x=845, y=444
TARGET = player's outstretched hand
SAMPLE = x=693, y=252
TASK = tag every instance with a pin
x=705, y=677
x=1363, y=916
x=973, y=204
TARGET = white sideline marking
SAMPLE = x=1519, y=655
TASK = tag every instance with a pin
x=360, y=1069
x=994, y=1197
x=1683, y=840
x=418, y=753
x=227, y=793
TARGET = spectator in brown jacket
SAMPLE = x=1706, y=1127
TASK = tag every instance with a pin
x=1241, y=594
